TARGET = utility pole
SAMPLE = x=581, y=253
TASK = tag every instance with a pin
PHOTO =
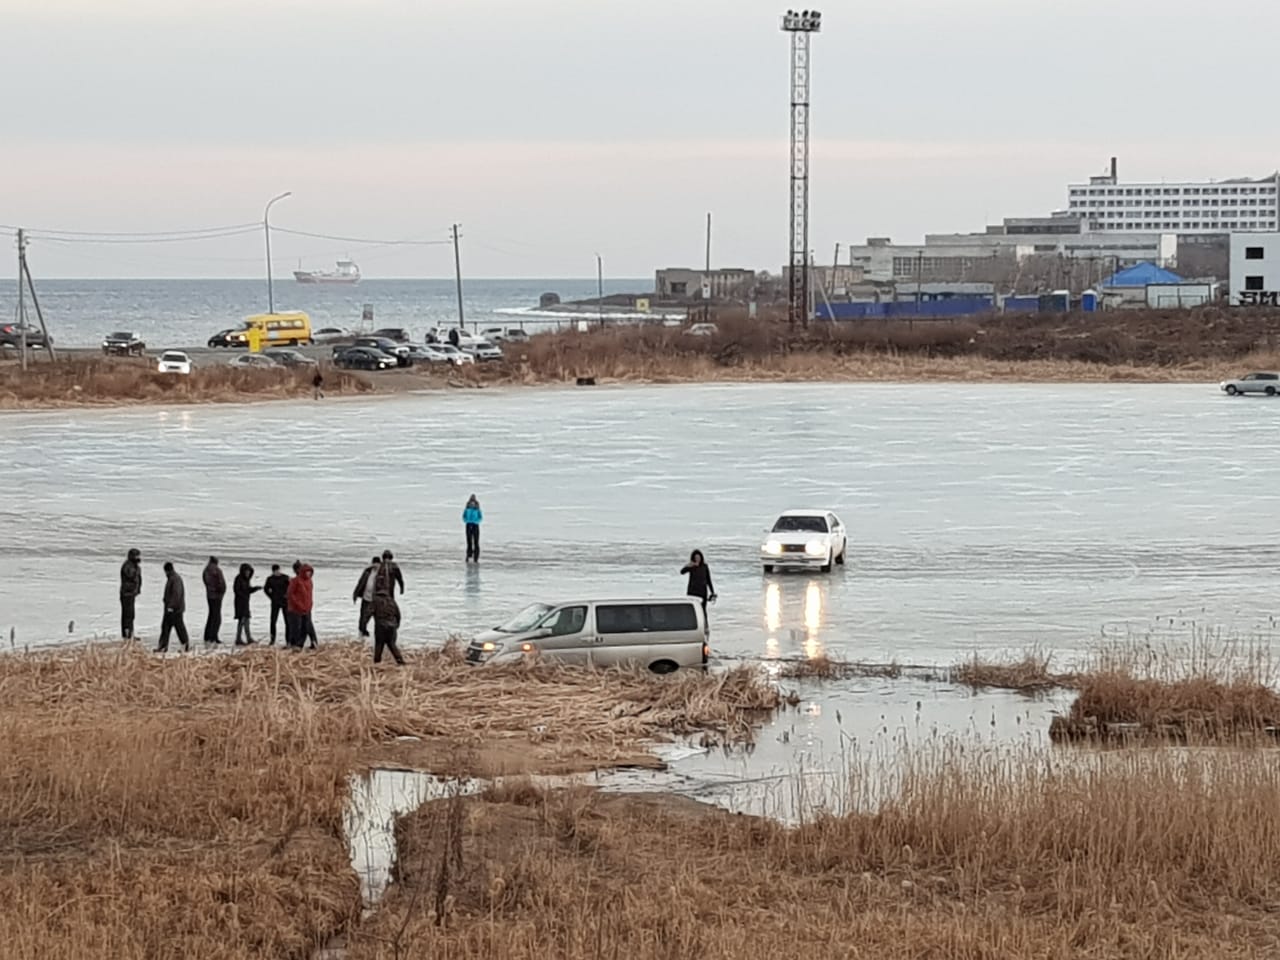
x=266, y=229
x=22, y=306
x=800, y=24
x=25, y=286
x=919, y=278
x=600, y=290
x=457, y=274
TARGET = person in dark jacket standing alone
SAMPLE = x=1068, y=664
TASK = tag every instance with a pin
x=215, y=588
x=242, y=589
x=699, y=580
x=175, y=609
x=275, y=588
x=386, y=612
x=364, y=594
x=130, y=587
x=300, y=598
x=472, y=516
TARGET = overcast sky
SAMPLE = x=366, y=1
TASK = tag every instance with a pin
x=553, y=129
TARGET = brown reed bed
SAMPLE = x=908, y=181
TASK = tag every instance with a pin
x=1155, y=855
x=193, y=806
x=111, y=381
x=1129, y=346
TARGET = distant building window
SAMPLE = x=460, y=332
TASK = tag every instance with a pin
x=1254, y=283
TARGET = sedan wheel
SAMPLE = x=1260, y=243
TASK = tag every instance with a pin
x=826, y=567
x=1271, y=391
x=1231, y=390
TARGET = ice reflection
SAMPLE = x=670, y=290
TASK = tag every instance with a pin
x=795, y=610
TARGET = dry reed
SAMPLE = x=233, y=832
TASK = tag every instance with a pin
x=1157, y=855
x=114, y=381
x=193, y=806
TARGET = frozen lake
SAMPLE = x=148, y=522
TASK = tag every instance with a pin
x=983, y=517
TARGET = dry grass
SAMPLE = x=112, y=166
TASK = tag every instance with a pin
x=193, y=806
x=115, y=381
x=1029, y=673
x=824, y=667
x=1137, y=346
x=1158, y=856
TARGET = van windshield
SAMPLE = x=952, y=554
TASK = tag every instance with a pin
x=526, y=620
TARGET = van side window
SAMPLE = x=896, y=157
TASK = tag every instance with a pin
x=566, y=621
x=620, y=618
x=671, y=616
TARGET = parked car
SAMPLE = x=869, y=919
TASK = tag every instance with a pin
x=230, y=337
x=662, y=635
x=426, y=354
x=505, y=335
x=331, y=335
x=1265, y=383
x=254, y=360
x=123, y=344
x=483, y=351
x=287, y=357
x=452, y=354
x=364, y=358
x=174, y=361
x=389, y=347
x=397, y=334
x=11, y=336
x=803, y=539
x=703, y=330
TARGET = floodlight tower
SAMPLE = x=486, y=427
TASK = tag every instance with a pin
x=800, y=25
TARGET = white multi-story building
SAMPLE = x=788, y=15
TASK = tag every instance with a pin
x=1255, y=269
x=1189, y=208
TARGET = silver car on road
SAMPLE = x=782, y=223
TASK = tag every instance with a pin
x=1264, y=383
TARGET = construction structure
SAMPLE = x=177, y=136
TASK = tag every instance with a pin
x=800, y=25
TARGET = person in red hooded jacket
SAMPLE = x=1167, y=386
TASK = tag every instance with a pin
x=298, y=602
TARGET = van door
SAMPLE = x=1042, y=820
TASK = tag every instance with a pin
x=619, y=634
x=675, y=631
x=567, y=634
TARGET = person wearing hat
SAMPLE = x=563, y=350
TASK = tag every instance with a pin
x=386, y=612
x=130, y=588
x=215, y=588
x=175, y=607
x=471, y=517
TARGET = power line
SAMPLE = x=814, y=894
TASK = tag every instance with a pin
x=110, y=234
x=365, y=240
x=96, y=241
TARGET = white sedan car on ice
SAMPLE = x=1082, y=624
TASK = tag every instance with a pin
x=804, y=539
x=174, y=361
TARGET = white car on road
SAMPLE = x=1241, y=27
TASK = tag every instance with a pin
x=452, y=354
x=174, y=361
x=1265, y=383
x=804, y=539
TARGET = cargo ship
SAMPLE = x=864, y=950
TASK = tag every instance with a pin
x=345, y=271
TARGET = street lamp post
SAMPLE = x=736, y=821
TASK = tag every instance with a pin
x=266, y=229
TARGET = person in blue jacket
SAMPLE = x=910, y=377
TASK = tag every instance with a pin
x=471, y=516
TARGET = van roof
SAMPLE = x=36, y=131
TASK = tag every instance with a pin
x=564, y=603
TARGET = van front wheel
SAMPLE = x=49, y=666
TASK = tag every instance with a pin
x=664, y=666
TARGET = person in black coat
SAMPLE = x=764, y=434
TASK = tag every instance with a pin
x=699, y=579
x=175, y=608
x=242, y=589
x=275, y=588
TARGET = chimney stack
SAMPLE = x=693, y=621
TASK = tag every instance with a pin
x=1113, y=170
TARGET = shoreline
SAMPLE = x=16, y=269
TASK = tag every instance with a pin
x=792, y=369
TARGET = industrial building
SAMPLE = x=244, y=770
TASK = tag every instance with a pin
x=682, y=283
x=1194, y=207
x=1255, y=269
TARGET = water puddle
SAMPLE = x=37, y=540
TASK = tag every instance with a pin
x=844, y=747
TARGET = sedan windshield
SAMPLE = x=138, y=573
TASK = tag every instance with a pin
x=174, y=358
x=118, y=335
x=526, y=619
x=800, y=525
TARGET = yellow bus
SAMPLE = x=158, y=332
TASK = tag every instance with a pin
x=275, y=329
